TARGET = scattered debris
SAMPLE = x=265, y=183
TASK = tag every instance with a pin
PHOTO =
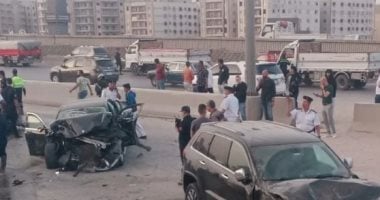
x=18, y=182
x=104, y=185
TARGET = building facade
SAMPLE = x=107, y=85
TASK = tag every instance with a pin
x=52, y=17
x=259, y=16
x=96, y=17
x=18, y=17
x=376, y=35
x=219, y=18
x=332, y=17
x=162, y=18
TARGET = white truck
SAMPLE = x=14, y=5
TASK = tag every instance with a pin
x=350, y=69
x=286, y=30
x=140, y=55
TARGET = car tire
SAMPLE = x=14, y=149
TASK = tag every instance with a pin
x=153, y=81
x=55, y=78
x=51, y=155
x=192, y=192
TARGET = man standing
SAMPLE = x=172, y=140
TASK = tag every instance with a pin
x=83, y=84
x=215, y=114
x=100, y=85
x=268, y=92
x=130, y=99
x=241, y=94
x=196, y=124
x=284, y=62
x=230, y=105
x=330, y=78
x=184, y=129
x=210, y=81
x=292, y=85
x=10, y=111
x=160, y=75
x=327, y=100
x=224, y=75
x=202, y=78
x=377, y=98
x=118, y=61
x=111, y=92
x=18, y=84
x=3, y=137
x=306, y=118
x=188, y=77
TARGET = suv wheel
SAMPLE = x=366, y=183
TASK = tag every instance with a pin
x=55, y=78
x=192, y=192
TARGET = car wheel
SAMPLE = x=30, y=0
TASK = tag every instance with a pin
x=343, y=82
x=51, y=155
x=153, y=81
x=55, y=78
x=192, y=192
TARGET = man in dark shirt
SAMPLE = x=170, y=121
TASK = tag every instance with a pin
x=240, y=89
x=184, y=129
x=268, y=92
x=196, y=124
x=118, y=61
x=10, y=111
x=224, y=75
x=202, y=78
x=3, y=137
x=284, y=62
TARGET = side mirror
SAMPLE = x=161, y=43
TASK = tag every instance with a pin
x=348, y=162
x=242, y=176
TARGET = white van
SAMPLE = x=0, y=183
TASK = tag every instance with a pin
x=238, y=68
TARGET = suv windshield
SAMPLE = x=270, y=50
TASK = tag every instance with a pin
x=272, y=68
x=100, y=51
x=297, y=161
x=70, y=113
x=104, y=63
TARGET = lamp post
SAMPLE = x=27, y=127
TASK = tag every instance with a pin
x=250, y=47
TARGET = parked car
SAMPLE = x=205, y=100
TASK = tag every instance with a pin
x=90, y=51
x=174, y=73
x=264, y=160
x=91, y=66
x=238, y=69
x=90, y=133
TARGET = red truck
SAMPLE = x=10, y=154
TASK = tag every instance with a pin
x=20, y=52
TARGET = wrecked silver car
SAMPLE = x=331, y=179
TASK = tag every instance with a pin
x=91, y=134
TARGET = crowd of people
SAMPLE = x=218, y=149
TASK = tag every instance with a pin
x=11, y=110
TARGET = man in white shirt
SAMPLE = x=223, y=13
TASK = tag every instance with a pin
x=230, y=105
x=210, y=81
x=306, y=118
x=377, y=98
x=111, y=92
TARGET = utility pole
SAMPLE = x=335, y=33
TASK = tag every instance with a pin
x=250, y=47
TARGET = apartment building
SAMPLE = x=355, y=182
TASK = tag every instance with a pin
x=259, y=16
x=162, y=18
x=376, y=35
x=96, y=17
x=333, y=17
x=52, y=17
x=219, y=18
x=18, y=17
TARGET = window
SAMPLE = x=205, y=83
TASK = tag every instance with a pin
x=80, y=63
x=238, y=158
x=70, y=63
x=202, y=144
x=234, y=69
x=219, y=149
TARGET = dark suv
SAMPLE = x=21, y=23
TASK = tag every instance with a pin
x=91, y=66
x=263, y=160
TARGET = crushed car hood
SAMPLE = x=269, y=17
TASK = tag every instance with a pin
x=326, y=189
x=81, y=125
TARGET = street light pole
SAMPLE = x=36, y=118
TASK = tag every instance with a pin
x=250, y=47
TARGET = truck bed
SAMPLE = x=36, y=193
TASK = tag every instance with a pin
x=339, y=61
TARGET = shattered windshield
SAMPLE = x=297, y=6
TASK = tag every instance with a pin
x=297, y=161
x=77, y=112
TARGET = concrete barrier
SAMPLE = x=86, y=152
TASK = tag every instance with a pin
x=156, y=103
x=366, y=118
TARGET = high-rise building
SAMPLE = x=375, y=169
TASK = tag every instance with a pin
x=333, y=17
x=377, y=23
x=259, y=16
x=162, y=18
x=52, y=17
x=219, y=18
x=18, y=17
x=96, y=17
